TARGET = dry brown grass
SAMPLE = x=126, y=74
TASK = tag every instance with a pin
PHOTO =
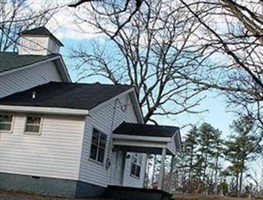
x=180, y=196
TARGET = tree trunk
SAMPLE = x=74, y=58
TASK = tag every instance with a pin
x=236, y=186
x=241, y=178
x=240, y=183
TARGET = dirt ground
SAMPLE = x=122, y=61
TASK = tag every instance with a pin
x=23, y=196
x=177, y=196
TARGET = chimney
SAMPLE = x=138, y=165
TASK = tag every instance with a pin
x=38, y=41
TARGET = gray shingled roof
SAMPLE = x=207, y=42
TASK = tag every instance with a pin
x=145, y=130
x=41, y=31
x=65, y=95
x=9, y=60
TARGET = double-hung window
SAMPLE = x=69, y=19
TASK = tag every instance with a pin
x=98, y=146
x=6, y=121
x=136, y=164
x=33, y=125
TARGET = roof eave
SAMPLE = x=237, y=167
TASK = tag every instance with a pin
x=63, y=69
x=142, y=138
x=43, y=110
x=135, y=103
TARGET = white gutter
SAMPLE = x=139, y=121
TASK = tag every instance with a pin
x=142, y=138
x=44, y=110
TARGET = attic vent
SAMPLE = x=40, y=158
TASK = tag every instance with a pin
x=34, y=95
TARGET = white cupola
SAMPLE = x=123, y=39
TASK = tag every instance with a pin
x=38, y=41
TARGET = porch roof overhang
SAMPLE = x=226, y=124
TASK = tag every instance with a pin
x=131, y=137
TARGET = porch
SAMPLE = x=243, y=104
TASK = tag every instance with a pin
x=130, y=193
x=149, y=139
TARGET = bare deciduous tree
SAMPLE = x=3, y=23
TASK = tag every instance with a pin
x=149, y=52
x=128, y=18
x=230, y=38
x=19, y=15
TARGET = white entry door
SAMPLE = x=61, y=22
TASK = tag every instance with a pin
x=117, y=168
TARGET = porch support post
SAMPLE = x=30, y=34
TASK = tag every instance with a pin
x=160, y=181
x=171, y=175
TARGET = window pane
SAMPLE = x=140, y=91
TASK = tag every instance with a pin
x=33, y=124
x=6, y=122
x=32, y=128
x=95, y=137
x=101, y=155
x=138, y=170
x=97, y=151
x=5, y=127
x=103, y=138
x=6, y=118
x=136, y=164
x=33, y=120
x=93, y=151
x=133, y=166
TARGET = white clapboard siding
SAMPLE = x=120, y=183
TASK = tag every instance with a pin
x=55, y=153
x=28, y=77
x=102, y=120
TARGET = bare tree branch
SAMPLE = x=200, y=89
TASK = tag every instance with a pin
x=148, y=53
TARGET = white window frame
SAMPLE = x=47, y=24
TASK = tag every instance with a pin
x=98, y=146
x=30, y=132
x=137, y=165
x=11, y=123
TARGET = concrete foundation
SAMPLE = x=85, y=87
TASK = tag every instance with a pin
x=49, y=186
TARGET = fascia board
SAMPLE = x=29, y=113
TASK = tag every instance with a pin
x=141, y=138
x=63, y=69
x=44, y=110
x=137, y=107
x=139, y=144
